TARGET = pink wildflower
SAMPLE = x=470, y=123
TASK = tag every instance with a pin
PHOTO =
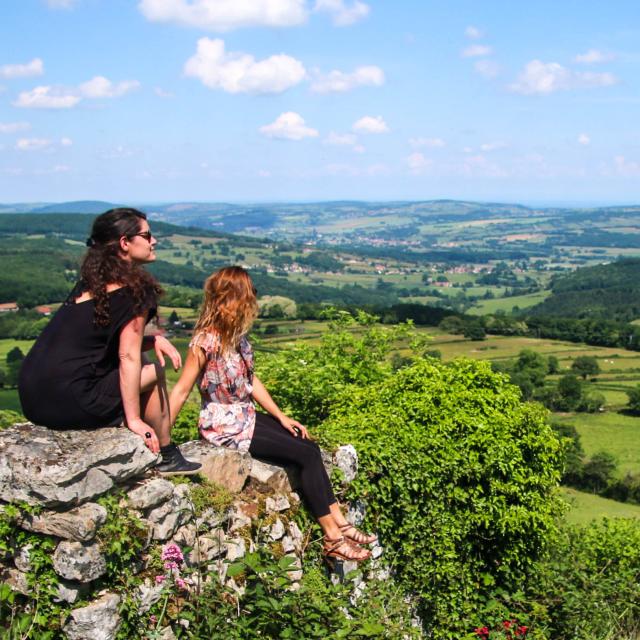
x=160, y=579
x=171, y=553
x=181, y=584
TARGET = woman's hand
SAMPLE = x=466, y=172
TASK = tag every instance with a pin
x=163, y=347
x=294, y=427
x=141, y=428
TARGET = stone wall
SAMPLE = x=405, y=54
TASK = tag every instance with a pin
x=63, y=473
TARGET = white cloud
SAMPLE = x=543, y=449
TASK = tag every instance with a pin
x=14, y=127
x=493, y=146
x=46, y=97
x=417, y=163
x=101, y=87
x=539, y=78
x=473, y=32
x=28, y=70
x=427, y=142
x=226, y=15
x=479, y=166
x=487, y=68
x=339, y=81
x=371, y=170
x=342, y=14
x=66, y=142
x=240, y=72
x=33, y=144
x=584, y=139
x=593, y=56
x=161, y=93
x=288, y=126
x=61, y=4
x=371, y=124
x=341, y=139
x=626, y=168
x=476, y=51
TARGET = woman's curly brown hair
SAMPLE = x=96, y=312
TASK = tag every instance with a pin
x=103, y=264
x=229, y=306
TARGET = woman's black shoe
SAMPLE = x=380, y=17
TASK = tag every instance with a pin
x=173, y=463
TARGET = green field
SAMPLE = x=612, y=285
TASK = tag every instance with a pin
x=586, y=507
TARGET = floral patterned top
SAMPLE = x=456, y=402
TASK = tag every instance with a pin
x=227, y=413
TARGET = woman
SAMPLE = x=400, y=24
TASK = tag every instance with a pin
x=220, y=359
x=87, y=370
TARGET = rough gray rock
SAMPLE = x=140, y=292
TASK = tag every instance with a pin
x=185, y=536
x=22, y=559
x=222, y=466
x=346, y=459
x=14, y=579
x=150, y=493
x=148, y=594
x=236, y=548
x=64, y=468
x=69, y=591
x=168, y=517
x=79, y=561
x=271, y=477
x=356, y=512
x=207, y=547
x=78, y=524
x=97, y=621
x=211, y=519
x=277, y=503
x=238, y=517
x=276, y=531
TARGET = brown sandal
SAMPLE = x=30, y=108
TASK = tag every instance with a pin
x=354, y=535
x=341, y=549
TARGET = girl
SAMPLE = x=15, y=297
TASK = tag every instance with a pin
x=220, y=359
x=86, y=369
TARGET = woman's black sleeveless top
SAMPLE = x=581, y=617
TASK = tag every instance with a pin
x=70, y=378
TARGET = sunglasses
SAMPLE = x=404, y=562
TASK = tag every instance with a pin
x=147, y=235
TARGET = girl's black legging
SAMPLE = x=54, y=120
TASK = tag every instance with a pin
x=272, y=441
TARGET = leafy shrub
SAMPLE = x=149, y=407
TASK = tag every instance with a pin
x=458, y=473
x=588, y=588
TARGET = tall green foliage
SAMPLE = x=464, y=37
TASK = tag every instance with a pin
x=458, y=473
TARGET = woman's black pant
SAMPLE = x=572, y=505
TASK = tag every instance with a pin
x=273, y=442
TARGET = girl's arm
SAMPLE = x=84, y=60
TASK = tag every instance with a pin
x=264, y=399
x=180, y=392
x=130, y=355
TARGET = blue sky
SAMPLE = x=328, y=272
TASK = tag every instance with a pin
x=281, y=100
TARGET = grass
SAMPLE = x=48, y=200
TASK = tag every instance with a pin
x=9, y=400
x=483, y=307
x=609, y=431
x=586, y=507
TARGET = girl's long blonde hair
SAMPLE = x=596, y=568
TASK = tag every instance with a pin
x=229, y=306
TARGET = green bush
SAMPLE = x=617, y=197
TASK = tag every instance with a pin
x=588, y=587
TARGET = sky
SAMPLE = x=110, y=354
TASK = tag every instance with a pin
x=303, y=100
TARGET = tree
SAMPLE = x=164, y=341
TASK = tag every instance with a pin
x=585, y=366
x=569, y=392
x=553, y=365
x=14, y=362
x=598, y=472
x=633, y=406
x=174, y=317
x=452, y=324
x=474, y=331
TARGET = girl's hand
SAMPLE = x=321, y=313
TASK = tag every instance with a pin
x=163, y=347
x=294, y=427
x=149, y=436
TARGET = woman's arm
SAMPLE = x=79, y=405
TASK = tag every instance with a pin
x=180, y=392
x=130, y=355
x=264, y=399
x=162, y=347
